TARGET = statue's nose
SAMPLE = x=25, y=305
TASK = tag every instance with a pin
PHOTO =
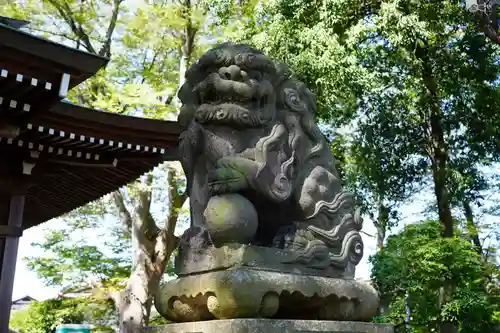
x=232, y=72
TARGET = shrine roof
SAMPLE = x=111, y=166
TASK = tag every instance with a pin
x=35, y=56
x=79, y=155
x=61, y=155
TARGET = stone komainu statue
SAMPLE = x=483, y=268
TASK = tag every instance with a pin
x=250, y=129
x=273, y=234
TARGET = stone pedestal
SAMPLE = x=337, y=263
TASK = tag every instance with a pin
x=271, y=326
x=242, y=281
x=245, y=292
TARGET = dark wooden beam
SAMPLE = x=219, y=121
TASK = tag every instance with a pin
x=13, y=23
x=110, y=163
x=9, y=260
x=69, y=118
x=10, y=231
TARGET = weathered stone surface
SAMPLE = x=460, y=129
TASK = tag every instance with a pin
x=273, y=234
x=230, y=218
x=272, y=326
x=257, y=257
x=249, y=128
x=248, y=293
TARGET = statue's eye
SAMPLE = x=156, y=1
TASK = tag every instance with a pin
x=245, y=116
x=292, y=96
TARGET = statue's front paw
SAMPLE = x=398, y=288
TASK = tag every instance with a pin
x=299, y=240
x=248, y=153
x=292, y=237
x=224, y=180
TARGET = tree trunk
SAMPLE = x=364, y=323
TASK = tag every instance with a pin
x=472, y=228
x=149, y=260
x=152, y=248
x=134, y=306
x=439, y=169
x=487, y=22
x=437, y=149
x=381, y=225
x=439, y=156
x=439, y=159
x=407, y=311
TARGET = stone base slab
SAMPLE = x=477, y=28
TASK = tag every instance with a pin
x=255, y=257
x=248, y=293
x=271, y=326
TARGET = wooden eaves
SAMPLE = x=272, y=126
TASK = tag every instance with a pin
x=56, y=156
x=69, y=155
x=75, y=155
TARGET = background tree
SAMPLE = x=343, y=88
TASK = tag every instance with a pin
x=410, y=269
x=150, y=46
x=382, y=169
x=427, y=66
x=45, y=316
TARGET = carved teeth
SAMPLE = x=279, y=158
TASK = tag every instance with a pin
x=217, y=99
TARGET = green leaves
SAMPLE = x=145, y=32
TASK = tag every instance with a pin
x=412, y=262
x=76, y=263
x=45, y=316
x=292, y=32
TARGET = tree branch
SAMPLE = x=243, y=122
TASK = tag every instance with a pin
x=367, y=234
x=491, y=33
x=175, y=198
x=485, y=25
x=123, y=213
x=53, y=33
x=67, y=14
x=146, y=222
x=105, y=50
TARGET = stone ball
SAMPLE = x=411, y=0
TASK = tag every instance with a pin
x=231, y=218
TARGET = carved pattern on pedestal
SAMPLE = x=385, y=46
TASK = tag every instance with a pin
x=248, y=293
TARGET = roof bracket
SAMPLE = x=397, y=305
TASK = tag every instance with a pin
x=29, y=165
x=64, y=87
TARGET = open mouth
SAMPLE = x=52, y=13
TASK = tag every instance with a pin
x=249, y=91
x=234, y=103
x=214, y=97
